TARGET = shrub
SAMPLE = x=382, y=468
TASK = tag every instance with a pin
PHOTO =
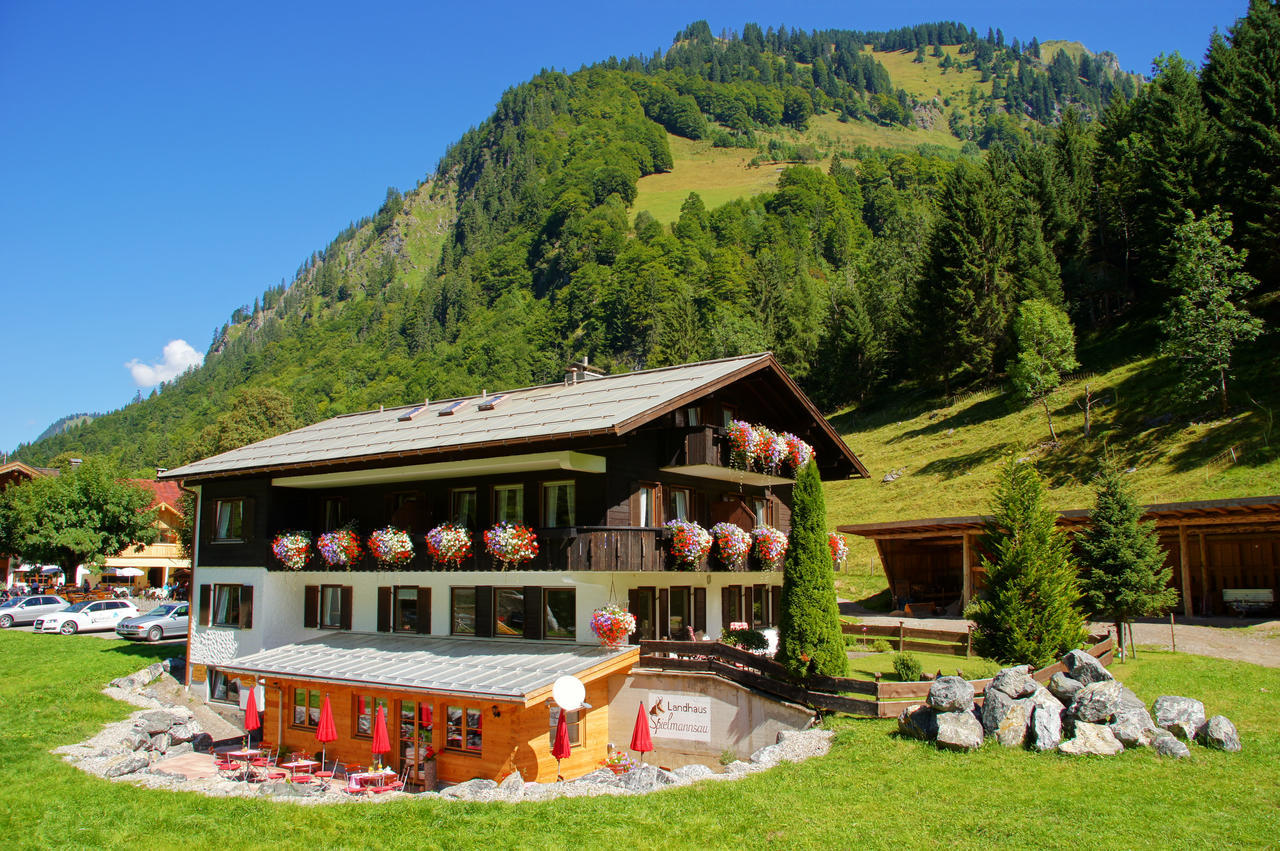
x=747, y=639
x=881, y=645
x=907, y=667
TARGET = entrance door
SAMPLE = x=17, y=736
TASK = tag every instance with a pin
x=416, y=724
x=643, y=603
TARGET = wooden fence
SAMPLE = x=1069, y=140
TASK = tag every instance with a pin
x=902, y=637
x=868, y=698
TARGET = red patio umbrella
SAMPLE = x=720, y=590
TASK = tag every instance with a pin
x=640, y=740
x=251, y=719
x=381, y=741
x=561, y=749
x=326, y=731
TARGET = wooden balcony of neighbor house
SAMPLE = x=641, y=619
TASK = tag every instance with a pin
x=704, y=452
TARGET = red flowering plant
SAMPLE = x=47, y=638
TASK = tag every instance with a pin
x=799, y=453
x=448, y=544
x=690, y=543
x=340, y=547
x=744, y=444
x=839, y=549
x=732, y=544
x=293, y=549
x=391, y=546
x=770, y=546
x=612, y=624
x=773, y=450
x=510, y=543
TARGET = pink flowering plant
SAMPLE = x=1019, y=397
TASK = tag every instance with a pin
x=839, y=549
x=293, y=549
x=690, y=543
x=756, y=447
x=619, y=762
x=770, y=546
x=340, y=548
x=773, y=450
x=391, y=546
x=511, y=543
x=612, y=624
x=732, y=544
x=799, y=453
x=744, y=443
x=448, y=544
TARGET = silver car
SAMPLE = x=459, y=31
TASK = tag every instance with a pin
x=20, y=611
x=164, y=621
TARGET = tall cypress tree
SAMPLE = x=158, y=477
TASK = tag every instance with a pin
x=1028, y=613
x=1125, y=574
x=809, y=640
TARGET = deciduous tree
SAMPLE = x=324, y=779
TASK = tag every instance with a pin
x=1046, y=349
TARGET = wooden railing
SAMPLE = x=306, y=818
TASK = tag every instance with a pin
x=874, y=699
x=902, y=637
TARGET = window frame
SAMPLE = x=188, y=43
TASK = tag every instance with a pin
x=499, y=590
x=453, y=608
x=466, y=730
x=546, y=608
x=672, y=494
x=234, y=600
x=395, y=607
x=653, y=490
x=545, y=490
x=227, y=682
x=216, y=536
x=357, y=715
x=454, y=515
x=307, y=722
x=499, y=514
x=574, y=722
x=321, y=621
x=342, y=504
x=728, y=413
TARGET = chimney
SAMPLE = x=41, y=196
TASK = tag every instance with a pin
x=581, y=371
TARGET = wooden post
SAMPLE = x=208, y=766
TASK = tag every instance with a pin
x=966, y=562
x=1183, y=555
x=968, y=642
x=901, y=636
x=1204, y=577
x=1173, y=635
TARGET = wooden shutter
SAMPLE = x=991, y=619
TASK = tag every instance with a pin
x=664, y=613
x=726, y=604
x=384, y=609
x=246, y=607
x=311, y=606
x=484, y=611
x=775, y=610
x=748, y=606
x=246, y=521
x=346, y=606
x=700, y=610
x=533, y=612
x=633, y=601
x=424, y=611
x=206, y=604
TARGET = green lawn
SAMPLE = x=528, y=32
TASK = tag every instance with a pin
x=872, y=791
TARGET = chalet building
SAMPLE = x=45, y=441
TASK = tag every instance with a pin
x=160, y=562
x=463, y=659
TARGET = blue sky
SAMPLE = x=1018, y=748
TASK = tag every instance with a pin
x=163, y=163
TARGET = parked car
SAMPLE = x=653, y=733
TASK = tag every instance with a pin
x=24, y=610
x=89, y=615
x=163, y=621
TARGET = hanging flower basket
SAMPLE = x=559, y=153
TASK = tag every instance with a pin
x=773, y=451
x=690, y=543
x=448, y=544
x=340, y=548
x=799, y=453
x=391, y=546
x=732, y=544
x=293, y=549
x=744, y=444
x=770, y=546
x=756, y=447
x=511, y=544
x=612, y=624
x=839, y=549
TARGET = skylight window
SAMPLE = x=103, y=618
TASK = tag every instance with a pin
x=490, y=402
x=447, y=410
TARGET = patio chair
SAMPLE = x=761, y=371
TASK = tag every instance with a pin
x=331, y=772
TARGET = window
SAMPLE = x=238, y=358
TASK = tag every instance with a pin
x=508, y=612
x=366, y=710
x=693, y=416
x=643, y=603
x=335, y=513
x=508, y=504
x=462, y=507
x=223, y=688
x=404, y=610
x=463, y=729
x=226, y=605
x=558, y=504
x=731, y=605
x=560, y=609
x=462, y=611
x=681, y=615
x=647, y=506
x=228, y=524
x=572, y=721
x=727, y=415
x=759, y=606
x=331, y=607
x=306, y=707
x=679, y=504
x=416, y=727
x=760, y=508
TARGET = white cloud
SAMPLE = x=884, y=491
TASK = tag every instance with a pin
x=178, y=358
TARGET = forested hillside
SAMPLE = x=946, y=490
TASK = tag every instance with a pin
x=868, y=270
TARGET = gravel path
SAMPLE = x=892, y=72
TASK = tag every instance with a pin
x=1242, y=640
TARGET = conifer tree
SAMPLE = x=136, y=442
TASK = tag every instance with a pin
x=1028, y=612
x=1124, y=571
x=809, y=639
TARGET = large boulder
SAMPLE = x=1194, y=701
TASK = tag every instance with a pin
x=646, y=778
x=159, y=743
x=156, y=721
x=951, y=694
x=135, y=740
x=1016, y=682
x=185, y=732
x=958, y=731
x=1096, y=703
x=1064, y=688
x=126, y=765
x=995, y=705
x=1182, y=716
x=1092, y=739
x=1133, y=726
x=1012, y=730
x=1045, y=731
x=1085, y=668
x=1167, y=745
x=469, y=789
x=918, y=722
x=1220, y=734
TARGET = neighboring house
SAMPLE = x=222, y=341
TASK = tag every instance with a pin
x=16, y=473
x=463, y=660
x=158, y=561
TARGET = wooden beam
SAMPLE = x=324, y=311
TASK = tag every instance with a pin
x=1187, y=609
x=966, y=561
x=1204, y=577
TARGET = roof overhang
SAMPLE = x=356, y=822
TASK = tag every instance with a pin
x=568, y=461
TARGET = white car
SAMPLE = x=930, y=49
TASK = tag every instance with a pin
x=89, y=615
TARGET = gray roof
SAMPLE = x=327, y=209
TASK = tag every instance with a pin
x=493, y=669
x=598, y=405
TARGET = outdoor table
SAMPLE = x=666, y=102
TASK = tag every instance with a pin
x=369, y=779
x=303, y=766
x=245, y=755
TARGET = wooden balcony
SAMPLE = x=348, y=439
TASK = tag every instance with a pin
x=704, y=452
